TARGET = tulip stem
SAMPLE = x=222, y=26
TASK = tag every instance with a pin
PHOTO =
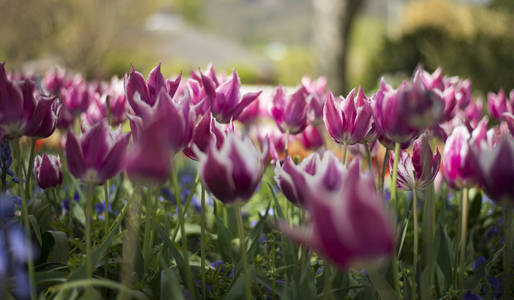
x=507, y=251
x=384, y=166
x=394, y=204
x=415, y=257
x=130, y=243
x=28, y=187
x=326, y=286
x=248, y=287
x=202, y=243
x=370, y=162
x=287, y=145
x=345, y=150
x=176, y=190
x=89, y=213
x=147, y=237
x=463, y=230
x=106, y=220
x=25, y=215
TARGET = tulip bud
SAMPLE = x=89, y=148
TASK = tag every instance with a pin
x=290, y=113
x=233, y=172
x=48, y=170
x=494, y=168
x=291, y=185
x=226, y=101
x=417, y=171
x=348, y=120
x=207, y=131
x=311, y=138
x=348, y=224
x=98, y=154
x=497, y=104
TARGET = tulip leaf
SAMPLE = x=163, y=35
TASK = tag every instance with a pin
x=474, y=209
x=383, y=288
x=170, y=286
x=35, y=229
x=97, y=255
x=55, y=247
x=238, y=288
x=223, y=241
x=444, y=260
x=169, y=245
x=277, y=205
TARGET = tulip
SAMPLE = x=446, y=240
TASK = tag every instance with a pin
x=98, y=154
x=226, y=101
x=348, y=224
x=273, y=138
x=311, y=138
x=207, y=131
x=292, y=185
x=494, y=166
x=417, y=171
x=233, y=172
x=389, y=117
x=457, y=164
x=317, y=90
x=250, y=113
x=290, y=113
x=48, y=170
x=142, y=95
x=23, y=111
x=497, y=104
x=348, y=120
x=76, y=98
x=509, y=119
x=54, y=80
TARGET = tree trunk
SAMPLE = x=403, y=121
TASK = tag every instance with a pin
x=332, y=27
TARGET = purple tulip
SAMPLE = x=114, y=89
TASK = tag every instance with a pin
x=233, y=172
x=207, y=131
x=494, y=167
x=149, y=163
x=348, y=120
x=509, y=119
x=48, y=170
x=457, y=163
x=290, y=113
x=348, y=224
x=292, y=185
x=273, y=138
x=142, y=95
x=318, y=96
x=77, y=96
x=251, y=113
x=390, y=120
x=23, y=111
x=225, y=100
x=54, y=80
x=311, y=138
x=98, y=154
x=497, y=104
x=417, y=171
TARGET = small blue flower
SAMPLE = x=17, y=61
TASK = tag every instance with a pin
x=469, y=296
x=18, y=244
x=480, y=261
x=495, y=285
x=100, y=210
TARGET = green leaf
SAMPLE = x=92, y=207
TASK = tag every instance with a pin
x=55, y=248
x=444, y=259
x=223, y=242
x=474, y=209
x=170, y=246
x=238, y=288
x=170, y=286
x=383, y=288
x=35, y=229
x=97, y=256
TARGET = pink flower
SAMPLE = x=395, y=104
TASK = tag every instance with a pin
x=290, y=113
x=311, y=138
x=48, y=170
x=349, y=223
x=292, y=184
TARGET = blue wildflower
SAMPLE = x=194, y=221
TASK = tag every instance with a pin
x=480, y=261
x=470, y=296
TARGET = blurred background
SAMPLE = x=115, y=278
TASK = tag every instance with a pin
x=351, y=42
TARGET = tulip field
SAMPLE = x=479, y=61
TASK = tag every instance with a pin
x=199, y=187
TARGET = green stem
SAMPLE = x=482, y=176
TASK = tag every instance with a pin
x=345, y=152
x=106, y=224
x=130, y=243
x=147, y=239
x=89, y=213
x=384, y=166
x=202, y=243
x=507, y=251
x=189, y=277
x=463, y=230
x=415, y=257
x=28, y=188
x=248, y=287
x=394, y=204
x=326, y=286
x=287, y=145
x=368, y=155
x=428, y=236
x=24, y=214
